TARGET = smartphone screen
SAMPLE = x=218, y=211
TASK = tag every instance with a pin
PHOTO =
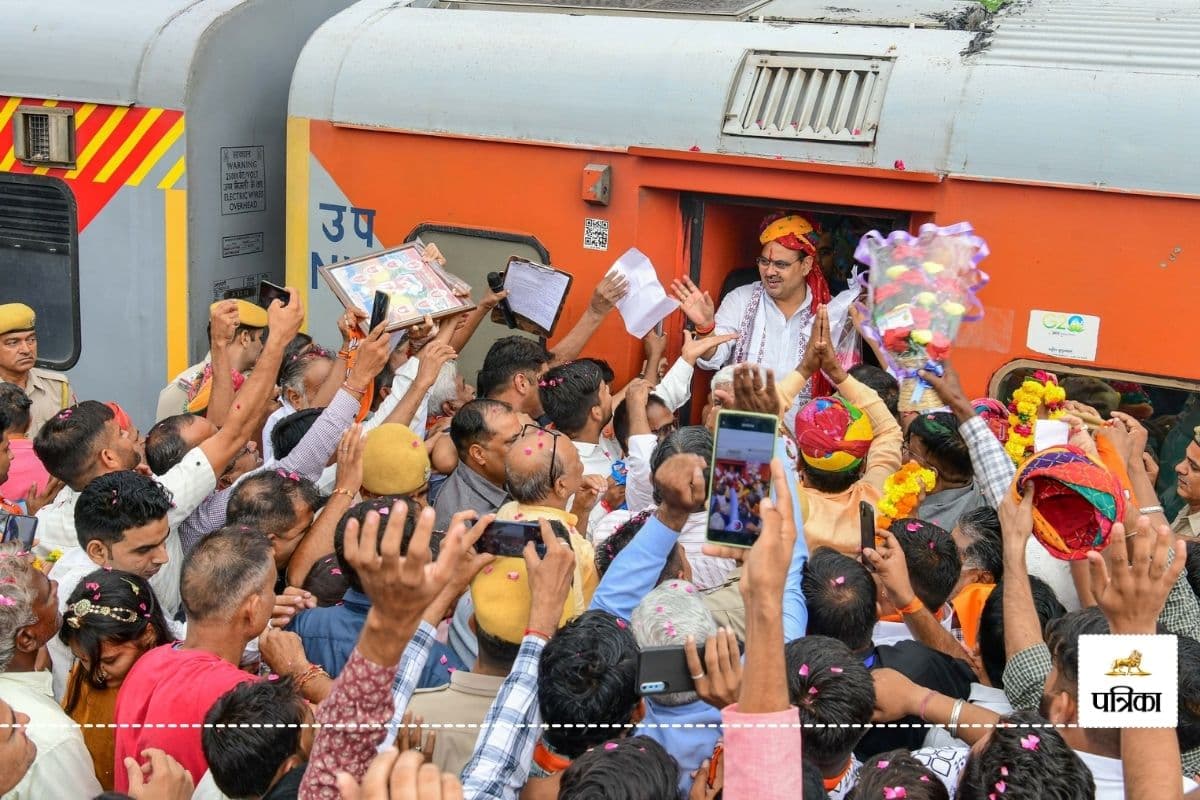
x=20, y=528
x=866, y=523
x=509, y=537
x=741, y=476
x=268, y=291
x=379, y=309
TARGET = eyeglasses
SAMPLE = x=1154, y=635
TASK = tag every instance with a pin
x=764, y=262
x=529, y=426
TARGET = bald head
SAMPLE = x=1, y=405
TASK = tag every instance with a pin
x=528, y=469
x=225, y=569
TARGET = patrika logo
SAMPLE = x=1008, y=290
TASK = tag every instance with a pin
x=1116, y=686
x=1130, y=665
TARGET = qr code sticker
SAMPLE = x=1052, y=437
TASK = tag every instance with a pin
x=595, y=234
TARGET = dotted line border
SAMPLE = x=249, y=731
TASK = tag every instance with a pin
x=539, y=726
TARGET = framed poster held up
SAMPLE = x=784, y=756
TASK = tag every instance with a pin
x=416, y=287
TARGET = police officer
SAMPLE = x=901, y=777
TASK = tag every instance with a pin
x=50, y=392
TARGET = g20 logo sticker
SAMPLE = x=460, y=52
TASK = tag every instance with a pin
x=1073, y=323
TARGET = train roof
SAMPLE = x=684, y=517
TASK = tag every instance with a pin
x=116, y=52
x=1079, y=92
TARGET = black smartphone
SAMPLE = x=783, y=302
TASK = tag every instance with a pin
x=663, y=670
x=20, y=528
x=268, y=291
x=741, y=476
x=509, y=537
x=379, y=309
x=866, y=526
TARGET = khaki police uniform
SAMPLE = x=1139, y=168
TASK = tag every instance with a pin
x=464, y=701
x=50, y=392
x=173, y=399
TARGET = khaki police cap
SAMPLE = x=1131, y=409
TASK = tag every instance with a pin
x=249, y=314
x=16, y=317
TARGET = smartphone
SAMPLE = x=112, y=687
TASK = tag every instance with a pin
x=379, y=309
x=20, y=528
x=509, y=537
x=741, y=476
x=663, y=670
x=268, y=291
x=866, y=525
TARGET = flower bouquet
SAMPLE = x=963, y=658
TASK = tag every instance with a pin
x=919, y=290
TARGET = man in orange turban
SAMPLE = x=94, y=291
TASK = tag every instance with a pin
x=774, y=315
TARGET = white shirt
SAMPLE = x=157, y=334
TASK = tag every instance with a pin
x=777, y=338
x=895, y=632
x=285, y=410
x=188, y=482
x=1109, y=775
x=676, y=385
x=1054, y=571
x=63, y=767
x=405, y=376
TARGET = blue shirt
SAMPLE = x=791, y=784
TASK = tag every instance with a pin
x=330, y=634
x=689, y=746
x=634, y=573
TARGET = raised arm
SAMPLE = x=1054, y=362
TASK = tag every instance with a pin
x=612, y=287
x=994, y=470
x=429, y=363
x=347, y=321
x=283, y=323
x=222, y=323
x=1028, y=659
x=400, y=588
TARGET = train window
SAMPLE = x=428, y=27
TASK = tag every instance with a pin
x=44, y=136
x=471, y=253
x=39, y=261
x=1168, y=408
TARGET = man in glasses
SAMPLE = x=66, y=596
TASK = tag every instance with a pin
x=544, y=477
x=773, y=317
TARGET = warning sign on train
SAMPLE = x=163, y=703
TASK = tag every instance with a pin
x=243, y=180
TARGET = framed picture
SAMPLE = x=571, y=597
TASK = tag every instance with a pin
x=417, y=288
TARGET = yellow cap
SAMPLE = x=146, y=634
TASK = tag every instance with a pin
x=394, y=461
x=249, y=314
x=16, y=317
x=502, y=600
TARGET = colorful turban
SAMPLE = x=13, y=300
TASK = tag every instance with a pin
x=995, y=414
x=832, y=435
x=1076, y=500
x=797, y=233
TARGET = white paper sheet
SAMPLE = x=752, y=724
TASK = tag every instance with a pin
x=535, y=292
x=646, y=303
x=1050, y=433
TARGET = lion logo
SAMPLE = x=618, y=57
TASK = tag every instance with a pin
x=1130, y=665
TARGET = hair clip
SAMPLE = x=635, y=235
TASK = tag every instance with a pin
x=82, y=608
x=133, y=587
x=1030, y=742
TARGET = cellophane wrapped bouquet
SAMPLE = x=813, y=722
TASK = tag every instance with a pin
x=920, y=289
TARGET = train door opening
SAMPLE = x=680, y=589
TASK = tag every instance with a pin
x=722, y=235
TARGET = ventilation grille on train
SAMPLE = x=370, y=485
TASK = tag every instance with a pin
x=35, y=216
x=808, y=97
x=44, y=136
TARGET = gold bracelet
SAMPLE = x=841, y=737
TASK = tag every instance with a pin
x=349, y=495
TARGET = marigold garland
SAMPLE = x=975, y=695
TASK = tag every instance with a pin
x=902, y=490
x=1037, y=391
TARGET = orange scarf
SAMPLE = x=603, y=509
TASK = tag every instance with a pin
x=968, y=605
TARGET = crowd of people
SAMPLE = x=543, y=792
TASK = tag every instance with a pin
x=275, y=591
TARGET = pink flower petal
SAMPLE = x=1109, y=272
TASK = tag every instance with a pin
x=514, y=576
x=610, y=745
x=836, y=670
x=803, y=670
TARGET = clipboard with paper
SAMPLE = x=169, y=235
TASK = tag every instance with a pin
x=536, y=295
